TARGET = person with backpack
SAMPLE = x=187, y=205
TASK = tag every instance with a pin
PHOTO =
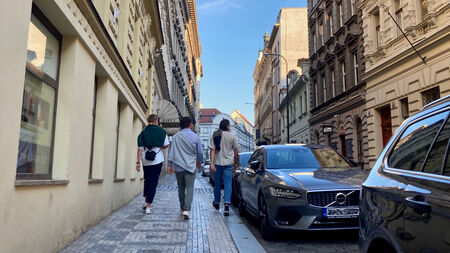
x=151, y=141
x=224, y=155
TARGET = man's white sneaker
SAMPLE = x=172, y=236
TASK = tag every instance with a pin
x=186, y=214
x=148, y=210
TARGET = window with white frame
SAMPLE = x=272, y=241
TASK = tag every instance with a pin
x=343, y=75
x=341, y=15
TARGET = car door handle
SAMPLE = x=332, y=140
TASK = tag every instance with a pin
x=419, y=204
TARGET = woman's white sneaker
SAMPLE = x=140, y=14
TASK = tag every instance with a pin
x=148, y=210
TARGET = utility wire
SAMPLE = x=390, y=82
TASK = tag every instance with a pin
x=418, y=54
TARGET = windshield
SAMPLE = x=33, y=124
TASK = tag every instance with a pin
x=243, y=159
x=300, y=157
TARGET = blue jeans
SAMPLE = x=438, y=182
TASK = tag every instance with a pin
x=223, y=173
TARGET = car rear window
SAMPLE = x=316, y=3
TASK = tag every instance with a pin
x=300, y=157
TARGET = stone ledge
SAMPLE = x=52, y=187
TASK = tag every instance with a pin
x=22, y=183
x=118, y=180
x=95, y=181
x=132, y=179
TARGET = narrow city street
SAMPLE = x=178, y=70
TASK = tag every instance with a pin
x=130, y=230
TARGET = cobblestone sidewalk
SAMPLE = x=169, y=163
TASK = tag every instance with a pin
x=130, y=230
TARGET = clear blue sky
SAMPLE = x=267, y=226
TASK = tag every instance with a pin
x=231, y=33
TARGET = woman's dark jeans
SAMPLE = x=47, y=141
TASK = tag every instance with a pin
x=151, y=177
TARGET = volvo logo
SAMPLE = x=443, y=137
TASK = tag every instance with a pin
x=341, y=198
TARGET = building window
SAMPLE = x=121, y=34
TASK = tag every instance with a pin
x=430, y=95
x=301, y=105
x=404, y=107
x=398, y=16
x=94, y=110
x=313, y=37
x=306, y=101
x=316, y=96
x=324, y=86
x=333, y=83
x=331, y=23
x=355, y=68
x=34, y=159
x=117, y=140
x=343, y=75
x=376, y=17
x=352, y=6
x=423, y=8
x=321, y=33
x=341, y=15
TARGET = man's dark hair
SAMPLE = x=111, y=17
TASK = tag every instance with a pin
x=152, y=118
x=224, y=124
x=185, y=122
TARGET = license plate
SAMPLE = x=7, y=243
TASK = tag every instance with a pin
x=341, y=212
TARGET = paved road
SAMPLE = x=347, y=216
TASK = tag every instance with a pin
x=328, y=241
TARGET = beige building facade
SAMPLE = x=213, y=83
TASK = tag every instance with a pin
x=399, y=82
x=287, y=39
x=76, y=88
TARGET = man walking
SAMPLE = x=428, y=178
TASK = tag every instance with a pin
x=185, y=154
x=150, y=142
x=224, y=159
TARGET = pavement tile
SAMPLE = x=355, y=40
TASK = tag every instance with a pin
x=129, y=230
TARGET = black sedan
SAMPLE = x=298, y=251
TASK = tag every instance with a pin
x=300, y=187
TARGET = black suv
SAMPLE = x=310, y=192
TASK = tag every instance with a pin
x=405, y=201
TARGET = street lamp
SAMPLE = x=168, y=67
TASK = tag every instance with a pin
x=287, y=94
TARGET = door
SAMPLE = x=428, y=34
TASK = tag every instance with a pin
x=386, y=125
x=343, y=145
x=251, y=180
x=427, y=199
x=420, y=153
x=247, y=176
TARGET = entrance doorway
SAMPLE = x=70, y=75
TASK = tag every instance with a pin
x=386, y=124
x=343, y=146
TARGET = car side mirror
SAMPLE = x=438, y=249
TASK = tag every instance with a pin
x=255, y=165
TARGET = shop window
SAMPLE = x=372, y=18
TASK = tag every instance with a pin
x=38, y=106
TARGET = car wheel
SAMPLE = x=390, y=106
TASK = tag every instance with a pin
x=267, y=231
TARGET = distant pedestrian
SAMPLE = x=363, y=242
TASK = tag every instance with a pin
x=151, y=141
x=224, y=159
x=185, y=155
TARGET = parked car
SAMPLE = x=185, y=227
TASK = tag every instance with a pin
x=405, y=201
x=300, y=187
x=206, y=169
x=243, y=160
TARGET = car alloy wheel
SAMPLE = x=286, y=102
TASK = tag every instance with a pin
x=264, y=224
